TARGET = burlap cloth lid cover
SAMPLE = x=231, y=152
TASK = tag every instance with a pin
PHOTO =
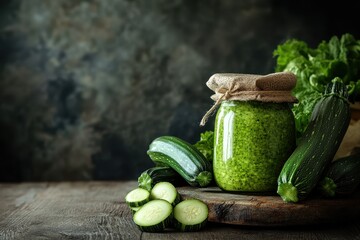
x=274, y=87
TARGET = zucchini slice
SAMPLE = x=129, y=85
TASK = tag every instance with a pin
x=190, y=215
x=137, y=197
x=134, y=209
x=165, y=191
x=154, y=216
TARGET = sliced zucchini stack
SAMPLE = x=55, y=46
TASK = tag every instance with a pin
x=158, y=214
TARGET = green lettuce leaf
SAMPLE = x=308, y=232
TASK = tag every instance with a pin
x=316, y=67
x=206, y=144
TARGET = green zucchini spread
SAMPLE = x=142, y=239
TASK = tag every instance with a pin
x=252, y=141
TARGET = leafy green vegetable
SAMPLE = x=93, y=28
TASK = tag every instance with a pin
x=206, y=144
x=316, y=67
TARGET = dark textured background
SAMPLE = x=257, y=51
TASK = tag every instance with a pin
x=86, y=85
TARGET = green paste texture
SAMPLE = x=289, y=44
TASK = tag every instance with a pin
x=252, y=142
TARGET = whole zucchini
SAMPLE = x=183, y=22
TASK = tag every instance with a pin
x=184, y=158
x=318, y=145
x=153, y=175
x=341, y=177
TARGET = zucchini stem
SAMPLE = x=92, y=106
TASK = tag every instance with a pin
x=204, y=178
x=145, y=181
x=327, y=187
x=288, y=192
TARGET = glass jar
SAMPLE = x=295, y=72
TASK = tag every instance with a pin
x=253, y=140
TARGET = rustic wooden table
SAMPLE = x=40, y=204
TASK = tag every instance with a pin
x=96, y=210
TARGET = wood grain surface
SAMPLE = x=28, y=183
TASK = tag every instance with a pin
x=257, y=210
x=97, y=210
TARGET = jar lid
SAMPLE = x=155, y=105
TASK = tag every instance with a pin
x=274, y=87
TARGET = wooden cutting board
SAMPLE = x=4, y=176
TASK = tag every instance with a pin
x=253, y=210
